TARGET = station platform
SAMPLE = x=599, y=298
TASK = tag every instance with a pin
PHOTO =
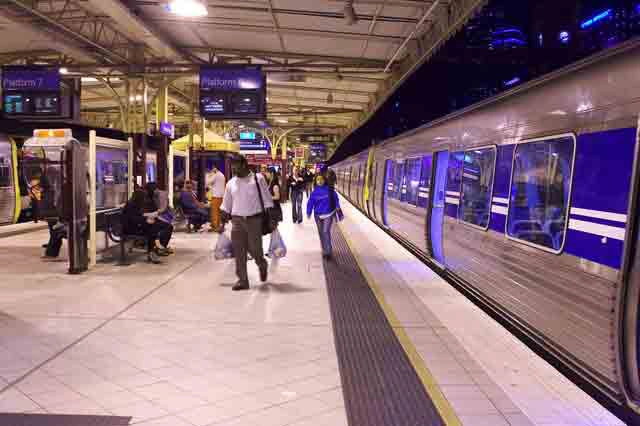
x=372, y=337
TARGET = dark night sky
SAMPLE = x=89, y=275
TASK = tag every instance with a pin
x=508, y=43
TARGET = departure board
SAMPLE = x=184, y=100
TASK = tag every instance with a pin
x=233, y=92
x=31, y=91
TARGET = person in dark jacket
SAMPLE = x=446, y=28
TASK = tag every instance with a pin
x=325, y=203
x=273, y=180
x=134, y=222
x=157, y=205
x=296, y=186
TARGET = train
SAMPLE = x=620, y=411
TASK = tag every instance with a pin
x=528, y=203
x=19, y=166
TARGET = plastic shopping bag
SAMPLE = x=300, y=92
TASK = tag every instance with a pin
x=277, y=249
x=223, y=248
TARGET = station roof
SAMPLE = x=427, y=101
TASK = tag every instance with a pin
x=326, y=72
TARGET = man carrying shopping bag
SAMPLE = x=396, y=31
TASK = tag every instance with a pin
x=246, y=202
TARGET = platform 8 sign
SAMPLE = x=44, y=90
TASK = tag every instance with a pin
x=233, y=92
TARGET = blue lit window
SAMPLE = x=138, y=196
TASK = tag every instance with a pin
x=564, y=37
x=477, y=186
x=597, y=18
x=540, y=191
x=540, y=39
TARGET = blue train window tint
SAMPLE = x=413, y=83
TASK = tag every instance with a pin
x=425, y=181
x=412, y=180
x=398, y=180
x=540, y=190
x=478, y=172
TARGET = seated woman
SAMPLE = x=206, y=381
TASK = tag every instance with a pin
x=134, y=222
x=193, y=207
x=157, y=206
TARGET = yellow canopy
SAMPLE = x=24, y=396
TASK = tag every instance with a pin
x=212, y=142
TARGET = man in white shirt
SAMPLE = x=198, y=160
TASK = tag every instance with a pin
x=216, y=183
x=242, y=203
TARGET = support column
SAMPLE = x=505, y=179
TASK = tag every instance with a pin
x=164, y=180
x=92, y=200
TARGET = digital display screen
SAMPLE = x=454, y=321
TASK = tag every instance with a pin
x=46, y=104
x=245, y=103
x=213, y=104
x=247, y=135
x=231, y=78
x=13, y=104
x=317, y=152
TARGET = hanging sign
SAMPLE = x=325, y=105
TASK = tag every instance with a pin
x=233, y=92
x=317, y=152
x=30, y=91
x=299, y=152
x=167, y=129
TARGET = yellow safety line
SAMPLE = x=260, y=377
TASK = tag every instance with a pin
x=433, y=390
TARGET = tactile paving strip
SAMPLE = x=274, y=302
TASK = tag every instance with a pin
x=61, y=420
x=380, y=386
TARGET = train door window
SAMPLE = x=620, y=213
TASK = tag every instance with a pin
x=6, y=174
x=358, y=186
x=425, y=181
x=350, y=176
x=387, y=186
x=374, y=186
x=363, y=168
x=541, y=190
x=412, y=180
x=478, y=171
x=400, y=181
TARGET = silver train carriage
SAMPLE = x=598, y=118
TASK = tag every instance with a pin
x=16, y=173
x=527, y=201
x=10, y=203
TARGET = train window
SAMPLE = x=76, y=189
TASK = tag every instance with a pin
x=387, y=186
x=425, y=181
x=412, y=180
x=540, y=191
x=478, y=172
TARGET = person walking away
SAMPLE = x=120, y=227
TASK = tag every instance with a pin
x=325, y=204
x=273, y=180
x=134, y=222
x=296, y=187
x=216, y=183
x=192, y=206
x=241, y=203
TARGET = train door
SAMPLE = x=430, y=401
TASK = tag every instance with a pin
x=374, y=187
x=424, y=197
x=438, y=202
x=387, y=188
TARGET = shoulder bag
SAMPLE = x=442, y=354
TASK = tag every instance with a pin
x=268, y=224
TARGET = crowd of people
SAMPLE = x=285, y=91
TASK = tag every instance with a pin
x=251, y=202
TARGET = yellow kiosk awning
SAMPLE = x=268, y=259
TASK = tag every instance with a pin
x=212, y=142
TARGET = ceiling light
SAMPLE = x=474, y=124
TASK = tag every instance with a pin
x=89, y=80
x=64, y=70
x=350, y=13
x=187, y=8
x=282, y=120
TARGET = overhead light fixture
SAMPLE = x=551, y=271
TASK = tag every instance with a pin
x=282, y=120
x=187, y=8
x=349, y=13
x=64, y=70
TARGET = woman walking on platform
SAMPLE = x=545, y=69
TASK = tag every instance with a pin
x=326, y=205
x=273, y=179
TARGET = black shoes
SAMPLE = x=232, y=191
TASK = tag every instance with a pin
x=264, y=272
x=240, y=285
x=152, y=257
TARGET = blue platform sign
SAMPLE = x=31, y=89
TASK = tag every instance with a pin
x=31, y=79
x=167, y=129
x=233, y=92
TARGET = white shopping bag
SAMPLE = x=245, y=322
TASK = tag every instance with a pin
x=277, y=249
x=223, y=248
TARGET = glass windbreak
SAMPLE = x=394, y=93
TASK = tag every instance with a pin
x=6, y=175
x=477, y=185
x=540, y=187
x=112, y=177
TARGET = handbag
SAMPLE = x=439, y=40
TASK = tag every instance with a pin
x=268, y=224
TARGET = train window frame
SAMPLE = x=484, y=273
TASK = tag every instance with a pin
x=419, y=159
x=493, y=185
x=574, y=138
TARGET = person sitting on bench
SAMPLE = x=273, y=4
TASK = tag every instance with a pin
x=157, y=205
x=191, y=206
x=134, y=222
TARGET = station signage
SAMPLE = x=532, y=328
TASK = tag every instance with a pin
x=317, y=152
x=255, y=146
x=31, y=91
x=233, y=92
x=299, y=152
x=167, y=129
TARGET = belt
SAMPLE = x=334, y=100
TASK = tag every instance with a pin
x=246, y=217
